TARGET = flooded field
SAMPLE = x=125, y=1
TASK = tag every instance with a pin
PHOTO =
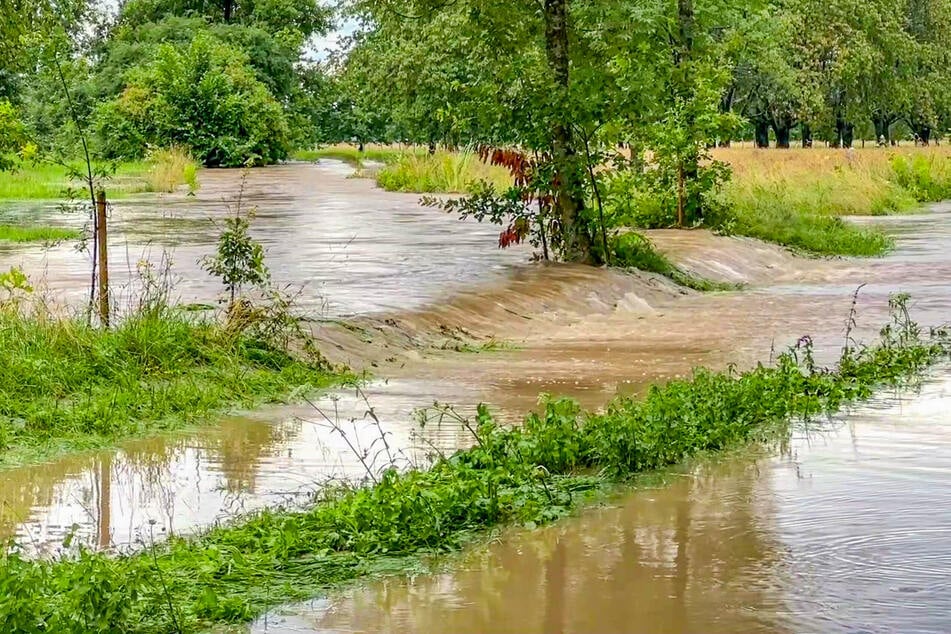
x=843, y=532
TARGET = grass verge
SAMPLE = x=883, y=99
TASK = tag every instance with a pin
x=65, y=385
x=29, y=233
x=526, y=475
x=162, y=171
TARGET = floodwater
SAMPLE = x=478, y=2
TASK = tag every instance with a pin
x=848, y=530
x=818, y=539
x=352, y=248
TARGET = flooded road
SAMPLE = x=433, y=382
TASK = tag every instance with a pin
x=437, y=313
x=847, y=530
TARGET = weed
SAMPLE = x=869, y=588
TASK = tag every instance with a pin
x=632, y=250
x=66, y=384
x=442, y=172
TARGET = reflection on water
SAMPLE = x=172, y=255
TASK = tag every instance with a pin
x=110, y=499
x=848, y=531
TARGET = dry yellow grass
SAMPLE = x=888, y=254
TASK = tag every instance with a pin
x=171, y=167
x=841, y=182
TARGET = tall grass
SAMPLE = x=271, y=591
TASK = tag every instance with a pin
x=162, y=171
x=171, y=167
x=795, y=197
x=66, y=385
x=798, y=198
x=413, y=169
x=530, y=475
x=868, y=182
x=442, y=172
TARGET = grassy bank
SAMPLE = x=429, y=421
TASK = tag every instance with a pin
x=163, y=171
x=528, y=475
x=442, y=172
x=796, y=197
x=65, y=385
x=351, y=155
x=32, y=233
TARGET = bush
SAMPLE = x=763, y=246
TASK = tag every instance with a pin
x=204, y=97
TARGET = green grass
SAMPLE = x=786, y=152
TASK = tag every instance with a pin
x=527, y=475
x=798, y=198
x=50, y=182
x=440, y=173
x=164, y=170
x=414, y=169
x=65, y=385
x=767, y=218
x=22, y=233
x=352, y=156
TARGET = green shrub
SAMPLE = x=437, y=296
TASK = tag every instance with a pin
x=65, y=383
x=204, y=97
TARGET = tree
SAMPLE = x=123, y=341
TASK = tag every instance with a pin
x=204, y=96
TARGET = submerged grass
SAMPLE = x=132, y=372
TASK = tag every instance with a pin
x=526, y=475
x=66, y=385
x=31, y=233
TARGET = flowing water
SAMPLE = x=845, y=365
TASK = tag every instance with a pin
x=849, y=530
x=844, y=532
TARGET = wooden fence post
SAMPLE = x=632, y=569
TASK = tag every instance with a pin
x=102, y=243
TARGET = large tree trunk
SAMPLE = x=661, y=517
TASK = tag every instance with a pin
x=576, y=240
x=229, y=10
x=781, y=129
x=848, y=135
x=882, y=125
x=761, y=132
x=923, y=133
x=726, y=106
x=806, y=135
x=844, y=133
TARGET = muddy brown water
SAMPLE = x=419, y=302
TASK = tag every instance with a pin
x=849, y=530
x=749, y=543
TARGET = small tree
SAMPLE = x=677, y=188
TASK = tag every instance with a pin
x=239, y=259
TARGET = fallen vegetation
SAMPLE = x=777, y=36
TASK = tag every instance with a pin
x=526, y=475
